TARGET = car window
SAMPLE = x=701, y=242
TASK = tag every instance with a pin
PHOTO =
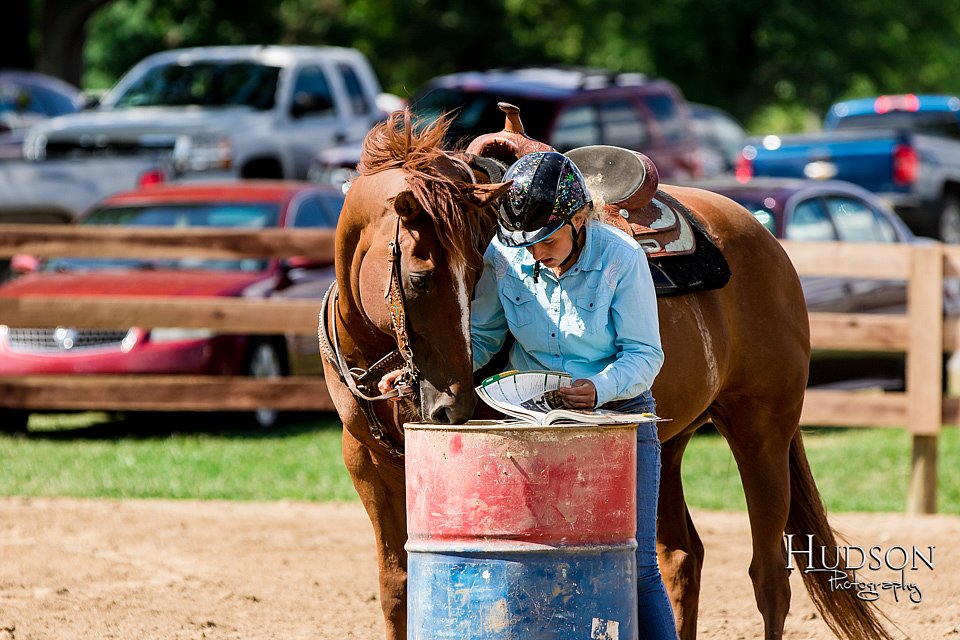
x=312, y=91
x=622, y=125
x=14, y=98
x=761, y=212
x=178, y=216
x=671, y=123
x=18, y=98
x=208, y=83
x=358, y=100
x=577, y=126
x=49, y=102
x=856, y=221
x=720, y=131
x=810, y=222
x=476, y=112
x=314, y=212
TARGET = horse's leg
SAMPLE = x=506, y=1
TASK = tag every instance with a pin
x=380, y=485
x=679, y=548
x=759, y=431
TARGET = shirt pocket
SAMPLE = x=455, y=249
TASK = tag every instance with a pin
x=593, y=307
x=519, y=304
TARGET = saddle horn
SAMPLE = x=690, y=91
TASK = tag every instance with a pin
x=511, y=143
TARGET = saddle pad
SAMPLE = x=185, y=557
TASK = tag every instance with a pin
x=702, y=269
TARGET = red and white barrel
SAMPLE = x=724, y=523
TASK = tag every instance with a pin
x=521, y=532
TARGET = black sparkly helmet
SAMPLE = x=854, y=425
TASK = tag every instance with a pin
x=547, y=191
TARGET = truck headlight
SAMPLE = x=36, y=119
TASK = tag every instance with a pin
x=34, y=146
x=202, y=153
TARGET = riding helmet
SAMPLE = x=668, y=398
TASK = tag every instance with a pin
x=547, y=191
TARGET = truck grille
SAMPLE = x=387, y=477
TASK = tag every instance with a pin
x=63, y=339
x=153, y=147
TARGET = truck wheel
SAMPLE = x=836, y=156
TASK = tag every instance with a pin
x=265, y=361
x=949, y=230
x=13, y=420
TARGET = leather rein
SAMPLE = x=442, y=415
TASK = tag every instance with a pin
x=360, y=381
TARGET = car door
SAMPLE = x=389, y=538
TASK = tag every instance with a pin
x=309, y=279
x=858, y=221
x=315, y=118
x=806, y=219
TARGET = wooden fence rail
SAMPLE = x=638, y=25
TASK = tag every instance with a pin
x=922, y=334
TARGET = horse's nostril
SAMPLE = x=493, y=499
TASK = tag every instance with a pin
x=451, y=412
x=441, y=415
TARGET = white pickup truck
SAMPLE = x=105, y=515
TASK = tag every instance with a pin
x=244, y=111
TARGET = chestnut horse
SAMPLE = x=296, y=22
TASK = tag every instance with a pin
x=735, y=356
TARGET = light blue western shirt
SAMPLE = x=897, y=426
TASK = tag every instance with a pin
x=597, y=321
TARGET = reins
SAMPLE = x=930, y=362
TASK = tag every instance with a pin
x=407, y=384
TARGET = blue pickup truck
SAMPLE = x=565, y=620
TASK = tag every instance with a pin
x=905, y=148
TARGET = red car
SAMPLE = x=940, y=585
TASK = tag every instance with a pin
x=242, y=204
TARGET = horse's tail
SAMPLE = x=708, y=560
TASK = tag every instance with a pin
x=848, y=616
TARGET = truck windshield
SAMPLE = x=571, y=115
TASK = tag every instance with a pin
x=207, y=83
x=220, y=215
x=942, y=123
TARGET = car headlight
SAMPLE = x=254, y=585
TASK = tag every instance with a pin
x=175, y=334
x=34, y=146
x=202, y=152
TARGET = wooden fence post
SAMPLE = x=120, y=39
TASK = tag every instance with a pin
x=925, y=374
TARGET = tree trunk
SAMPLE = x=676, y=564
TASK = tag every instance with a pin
x=15, y=32
x=63, y=32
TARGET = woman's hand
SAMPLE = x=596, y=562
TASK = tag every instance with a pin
x=579, y=395
x=389, y=381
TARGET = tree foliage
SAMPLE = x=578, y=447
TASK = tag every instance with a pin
x=748, y=56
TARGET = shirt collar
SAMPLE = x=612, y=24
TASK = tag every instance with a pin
x=590, y=259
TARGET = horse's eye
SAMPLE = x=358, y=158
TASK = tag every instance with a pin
x=421, y=281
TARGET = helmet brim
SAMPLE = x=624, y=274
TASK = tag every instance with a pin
x=527, y=238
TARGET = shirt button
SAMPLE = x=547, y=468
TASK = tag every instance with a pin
x=553, y=335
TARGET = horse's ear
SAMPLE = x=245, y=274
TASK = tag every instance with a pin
x=406, y=206
x=483, y=195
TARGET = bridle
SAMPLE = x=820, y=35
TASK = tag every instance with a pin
x=360, y=380
x=363, y=382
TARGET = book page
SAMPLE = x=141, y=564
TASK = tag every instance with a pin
x=528, y=394
x=598, y=416
x=544, y=402
x=515, y=388
x=533, y=396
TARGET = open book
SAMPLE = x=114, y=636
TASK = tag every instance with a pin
x=532, y=396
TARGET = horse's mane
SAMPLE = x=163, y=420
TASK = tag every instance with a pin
x=413, y=145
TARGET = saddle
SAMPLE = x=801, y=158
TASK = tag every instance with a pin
x=683, y=257
x=626, y=182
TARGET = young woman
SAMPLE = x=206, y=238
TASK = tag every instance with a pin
x=577, y=296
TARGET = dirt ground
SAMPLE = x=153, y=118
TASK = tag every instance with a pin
x=160, y=570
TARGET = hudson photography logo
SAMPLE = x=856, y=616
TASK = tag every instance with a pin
x=869, y=573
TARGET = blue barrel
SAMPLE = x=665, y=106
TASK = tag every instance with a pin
x=519, y=532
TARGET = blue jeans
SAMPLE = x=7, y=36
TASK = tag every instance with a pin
x=655, y=621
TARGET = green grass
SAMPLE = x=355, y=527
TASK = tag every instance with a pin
x=86, y=455
x=855, y=470
x=91, y=455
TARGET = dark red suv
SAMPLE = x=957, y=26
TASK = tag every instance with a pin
x=573, y=108
x=562, y=107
